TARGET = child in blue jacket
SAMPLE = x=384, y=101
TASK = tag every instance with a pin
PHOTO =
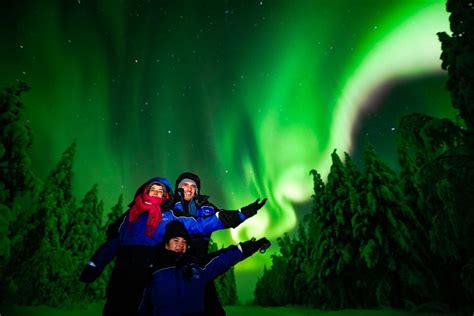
x=179, y=279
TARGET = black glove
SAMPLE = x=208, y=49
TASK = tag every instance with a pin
x=251, y=209
x=89, y=274
x=229, y=218
x=179, y=195
x=251, y=246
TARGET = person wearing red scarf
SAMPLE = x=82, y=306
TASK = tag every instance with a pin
x=149, y=201
x=129, y=276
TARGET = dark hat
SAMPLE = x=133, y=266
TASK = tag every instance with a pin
x=175, y=229
x=190, y=176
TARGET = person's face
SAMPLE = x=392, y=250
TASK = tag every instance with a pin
x=177, y=244
x=189, y=190
x=156, y=191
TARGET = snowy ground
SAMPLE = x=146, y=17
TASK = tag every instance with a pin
x=95, y=310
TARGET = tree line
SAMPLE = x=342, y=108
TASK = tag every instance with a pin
x=377, y=238
x=46, y=235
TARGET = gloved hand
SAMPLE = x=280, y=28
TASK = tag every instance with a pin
x=89, y=274
x=251, y=246
x=251, y=209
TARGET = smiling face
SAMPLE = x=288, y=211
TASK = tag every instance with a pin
x=177, y=244
x=189, y=189
x=156, y=190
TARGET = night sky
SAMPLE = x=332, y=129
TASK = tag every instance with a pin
x=250, y=95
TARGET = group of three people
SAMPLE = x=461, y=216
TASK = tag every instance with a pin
x=161, y=248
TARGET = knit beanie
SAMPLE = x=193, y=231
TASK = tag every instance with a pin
x=175, y=229
x=188, y=177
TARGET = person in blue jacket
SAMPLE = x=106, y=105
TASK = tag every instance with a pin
x=141, y=228
x=179, y=279
x=189, y=201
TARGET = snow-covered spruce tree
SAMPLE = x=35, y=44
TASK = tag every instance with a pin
x=15, y=180
x=15, y=140
x=386, y=243
x=458, y=59
x=455, y=182
x=447, y=191
x=46, y=276
x=421, y=141
x=301, y=262
x=274, y=286
x=310, y=263
x=336, y=249
x=84, y=237
x=261, y=292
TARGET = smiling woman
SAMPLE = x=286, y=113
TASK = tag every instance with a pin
x=252, y=95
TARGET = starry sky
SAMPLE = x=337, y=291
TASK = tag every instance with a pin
x=250, y=95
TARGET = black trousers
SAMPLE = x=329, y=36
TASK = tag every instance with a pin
x=129, y=277
x=212, y=305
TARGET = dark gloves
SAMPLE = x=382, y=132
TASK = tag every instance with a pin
x=229, y=218
x=233, y=218
x=89, y=274
x=251, y=209
x=251, y=246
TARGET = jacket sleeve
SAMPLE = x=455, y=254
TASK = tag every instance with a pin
x=200, y=225
x=223, y=262
x=228, y=218
x=231, y=218
x=106, y=253
x=109, y=249
x=94, y=268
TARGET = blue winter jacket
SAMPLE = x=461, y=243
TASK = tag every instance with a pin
x=177, y=288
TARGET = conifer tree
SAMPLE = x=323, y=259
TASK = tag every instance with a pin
x=386, y=242
x=437, y=171
x=458, y=59
x=407, y=158
x=15, y=140
x=274, y=286
x=314, y=234
x=84, y=235
x=15, y=180
x=336, y=250
x=261, y=288
x=453, y=185
x=56, y=202
x=45, y=277
x=301, y=264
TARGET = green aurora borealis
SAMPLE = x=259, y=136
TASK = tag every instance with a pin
x=251, y=95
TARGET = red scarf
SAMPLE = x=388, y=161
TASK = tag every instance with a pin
x=145, y=203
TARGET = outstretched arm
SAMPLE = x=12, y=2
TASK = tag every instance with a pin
x=232, y=255
x=222, y=219
x=105, y=254
x=235, y=218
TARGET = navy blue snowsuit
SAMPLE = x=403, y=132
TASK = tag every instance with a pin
x=178, y=281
